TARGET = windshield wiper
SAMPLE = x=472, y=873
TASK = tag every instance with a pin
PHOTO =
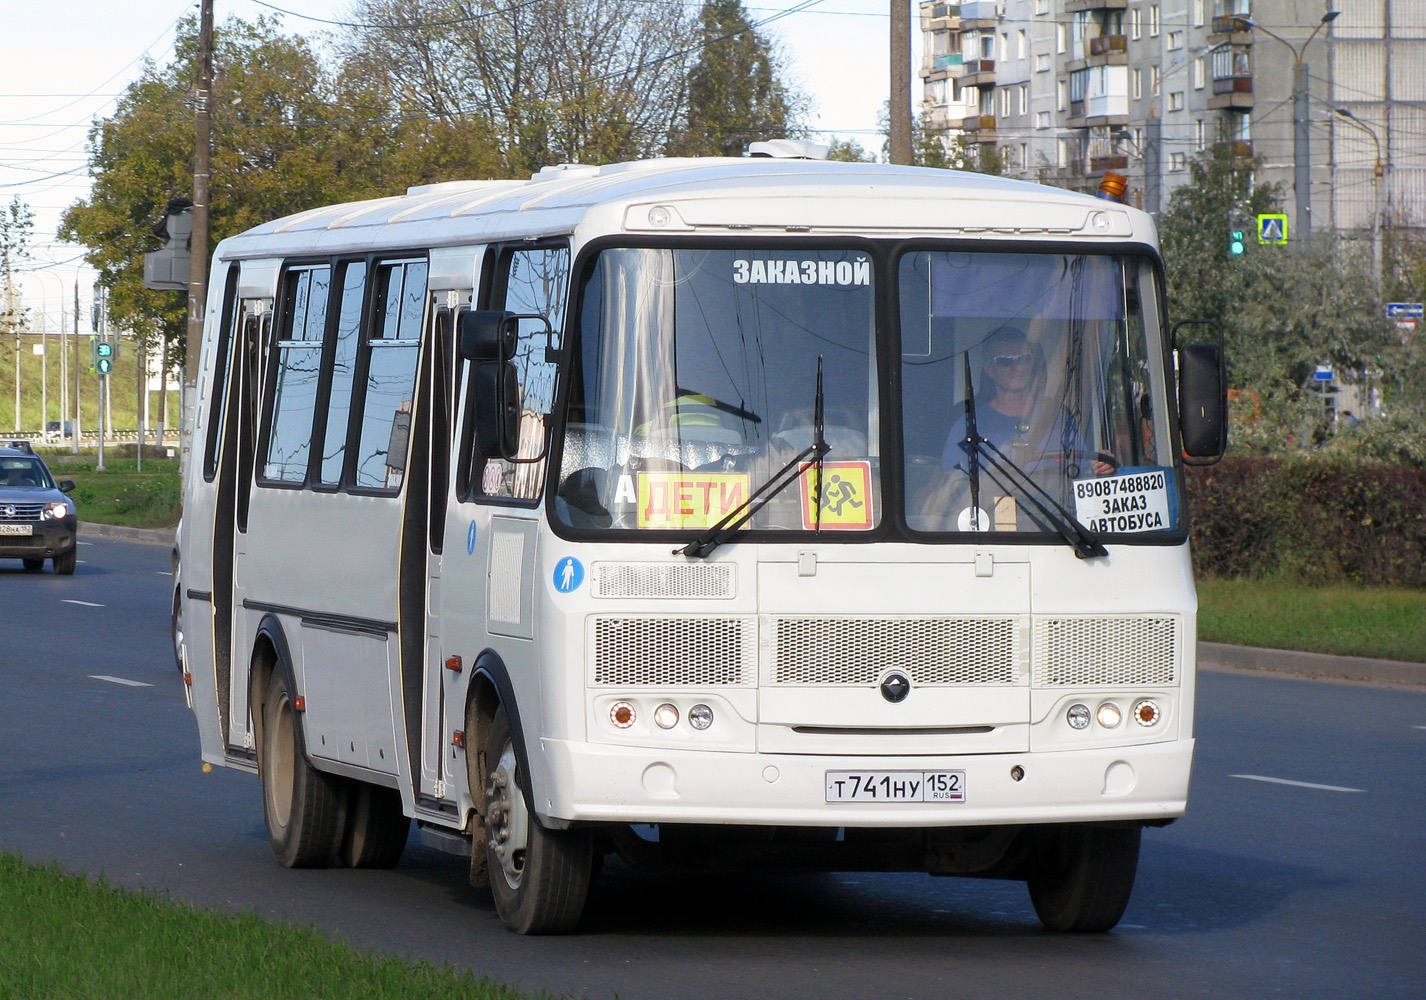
x=1012, y=478
x=734, y=520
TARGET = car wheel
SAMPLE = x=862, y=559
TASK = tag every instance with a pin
x=1082, y=875
x=175, y=628
x=34, y=565
x=64, y=563
x=539, y=878
x=302, y=806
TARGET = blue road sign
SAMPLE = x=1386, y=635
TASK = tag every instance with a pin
x=1404, y=310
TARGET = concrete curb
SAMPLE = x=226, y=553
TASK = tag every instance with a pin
x=150, y=536
x=1314, y=665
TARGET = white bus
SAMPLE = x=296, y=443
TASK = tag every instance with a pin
x=723, y=513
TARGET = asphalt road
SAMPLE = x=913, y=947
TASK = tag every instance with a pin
x=1298, y=871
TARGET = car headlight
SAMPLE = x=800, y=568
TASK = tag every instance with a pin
x=58, y=510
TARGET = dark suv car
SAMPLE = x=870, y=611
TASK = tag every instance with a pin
x=37, y=520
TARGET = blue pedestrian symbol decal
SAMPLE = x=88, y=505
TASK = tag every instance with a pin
x=470, y=540
x=569, y=574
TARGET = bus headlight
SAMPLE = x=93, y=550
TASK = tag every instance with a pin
x=1078, y=716
x=666, y=716
x=700, y=717
x=1109, y=715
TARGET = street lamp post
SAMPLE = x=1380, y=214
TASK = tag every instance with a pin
x=1377, y=173
x=1301, y=156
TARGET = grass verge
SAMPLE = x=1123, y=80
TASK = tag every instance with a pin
x=147, y=496
x=1384, y=622
x=62, y=937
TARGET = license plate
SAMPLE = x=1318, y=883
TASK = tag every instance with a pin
x=17, y=529
x=896, y=786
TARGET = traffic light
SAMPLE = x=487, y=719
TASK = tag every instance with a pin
x=102, y=355
x=1237, y=241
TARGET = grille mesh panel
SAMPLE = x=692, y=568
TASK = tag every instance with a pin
x=682, y=651
x=858, y=650
x=23, y=511
x=663, y=580
x=1107, y=651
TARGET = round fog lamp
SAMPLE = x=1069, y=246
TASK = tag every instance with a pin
x=622, y=715
x=1109, y=715
x=1146, y=712
x=1078, y=716
x=700, y=717
x=666, y=716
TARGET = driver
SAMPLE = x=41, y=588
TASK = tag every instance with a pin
x=1010, y=410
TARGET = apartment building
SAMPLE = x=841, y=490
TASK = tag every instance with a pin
x=1069, y=89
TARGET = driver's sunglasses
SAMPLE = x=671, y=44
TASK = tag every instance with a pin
x=1009, y=360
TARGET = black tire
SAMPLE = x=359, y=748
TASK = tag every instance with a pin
x=376, y=828
x=175, y=629
x=539, y=878
x=1081, y=876
x=64, y=563
x=34, y=565
x=302, y=806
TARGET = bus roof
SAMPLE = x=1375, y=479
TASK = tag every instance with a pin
x=710, y=196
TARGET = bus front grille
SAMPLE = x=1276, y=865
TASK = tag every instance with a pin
x=1105, y=651
x=859, y=650
x=662, y=650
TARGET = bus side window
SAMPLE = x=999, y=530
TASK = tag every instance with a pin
x=393, y=349
x=530, y=280
x=299, y=365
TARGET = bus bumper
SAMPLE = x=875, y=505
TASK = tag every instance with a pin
x=599, y=783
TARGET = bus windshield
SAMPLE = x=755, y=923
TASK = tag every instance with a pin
x=1032, y=392
x=694, y=381
x=1032, y=388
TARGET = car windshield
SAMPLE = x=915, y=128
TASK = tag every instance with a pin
x=695, y=381
x=24, y=473
x=1031, y=389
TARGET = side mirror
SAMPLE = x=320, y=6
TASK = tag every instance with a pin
x=66, y=485
x=1202, y=398
x=488, y=335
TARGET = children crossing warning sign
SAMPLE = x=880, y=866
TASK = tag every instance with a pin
x=840, y=500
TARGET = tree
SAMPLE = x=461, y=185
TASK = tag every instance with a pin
x=581, y=81
x=1283, y=310
x=735, y=91
x=15, y=224
x=848, y=151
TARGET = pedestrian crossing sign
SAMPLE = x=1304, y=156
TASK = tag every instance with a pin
x=844, y=503
x=1272, y=229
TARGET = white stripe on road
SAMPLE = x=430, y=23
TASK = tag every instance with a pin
x=1296, y=784
x=119, y=680
x=82, y=604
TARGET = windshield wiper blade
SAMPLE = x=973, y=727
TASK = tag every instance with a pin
x=972, y=453
x=734, y=520
x=1085, y=543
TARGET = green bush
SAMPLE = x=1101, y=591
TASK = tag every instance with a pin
x=1311, y=520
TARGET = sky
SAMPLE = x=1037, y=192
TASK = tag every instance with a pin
x=66, y=63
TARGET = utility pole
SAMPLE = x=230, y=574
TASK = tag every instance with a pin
x=900, y=102
x=78, y=377
x=1301, y=122
x=198, y=269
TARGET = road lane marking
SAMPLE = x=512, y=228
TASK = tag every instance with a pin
x=119, y=680
x=1296, y=784
x=82, y=604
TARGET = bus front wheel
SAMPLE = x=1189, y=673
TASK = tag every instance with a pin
x=539, y=878
x=302, y=806
x=1081, y=876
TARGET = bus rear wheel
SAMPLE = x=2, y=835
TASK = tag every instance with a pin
x=1081, y=876
x=539, y=878
x=302, y=806
x=376, y=827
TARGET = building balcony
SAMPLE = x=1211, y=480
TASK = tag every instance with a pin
x=1099, y=164
x=1105, y=44
x=950, y=62
x=981, y=128
x=1072, y=6
x=1230, y=24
